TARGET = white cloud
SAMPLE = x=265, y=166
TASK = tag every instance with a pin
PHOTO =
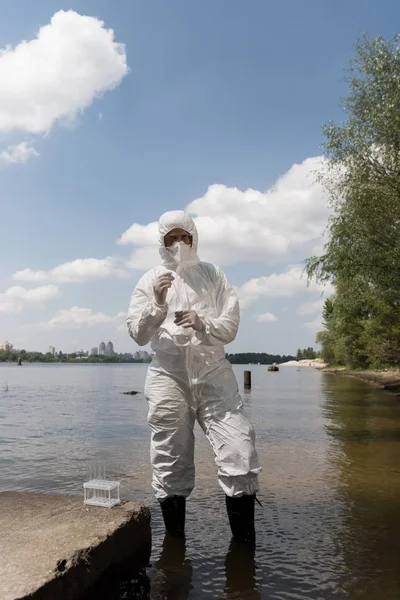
x=266, y=318
x=79, y=270
x=140, y=235
x=278, y=285
x=77, y=317
x=15, y=298
x=20, y=153
x=314, y=308
x=283, y=223
x=318, y=249
x=145, y=239
x=315, y=325
x=121, y=318
x=55, y=76
x=310, y=308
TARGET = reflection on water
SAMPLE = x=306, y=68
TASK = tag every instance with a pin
x=173, y=574
x=365, y=433
x=330, y=488
x=240, y=572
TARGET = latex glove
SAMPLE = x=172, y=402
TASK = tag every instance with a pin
x=189, y=318
x=161, y=286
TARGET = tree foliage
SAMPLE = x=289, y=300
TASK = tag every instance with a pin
x=306, y=354
x=362, y=176
x=255, y=358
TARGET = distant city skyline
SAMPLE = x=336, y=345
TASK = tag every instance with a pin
x=103, y=349
x=6, y=346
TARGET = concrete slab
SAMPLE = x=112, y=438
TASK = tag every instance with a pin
x=53, y=546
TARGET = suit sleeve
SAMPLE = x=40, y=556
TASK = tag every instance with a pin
x=144, y=315
x=222, y=329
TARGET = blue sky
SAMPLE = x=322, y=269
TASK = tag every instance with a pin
x=202, y=93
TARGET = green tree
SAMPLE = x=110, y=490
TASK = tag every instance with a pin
x=324, y=339
x=306, y=354
x=362, y=176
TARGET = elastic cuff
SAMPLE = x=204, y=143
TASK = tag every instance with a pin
x=162, y=307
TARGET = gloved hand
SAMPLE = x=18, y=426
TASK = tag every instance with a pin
x=161, y=287
x=189, y=318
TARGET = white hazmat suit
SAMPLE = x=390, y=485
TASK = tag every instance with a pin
x=189, y=377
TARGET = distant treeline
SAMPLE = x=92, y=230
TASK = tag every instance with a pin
x=245, y=358
x=14, y=356
x=255, y=358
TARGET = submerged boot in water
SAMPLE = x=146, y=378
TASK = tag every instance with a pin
x=173, y=512
x=241, y=517
x=240, y=571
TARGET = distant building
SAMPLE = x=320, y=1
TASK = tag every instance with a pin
x=6, y=346
x=141, y=355
x=102, y=349
x=110, y=349
x=51, y=350
x=94, y=352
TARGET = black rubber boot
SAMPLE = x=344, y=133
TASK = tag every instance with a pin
x=173, y=511
x=241, y=517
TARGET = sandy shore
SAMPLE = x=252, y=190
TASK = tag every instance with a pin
x=388, y=379
x=316, y=363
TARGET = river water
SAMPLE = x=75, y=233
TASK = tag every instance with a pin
x=329, y=526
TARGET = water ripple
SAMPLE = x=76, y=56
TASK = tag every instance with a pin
x=329, y=527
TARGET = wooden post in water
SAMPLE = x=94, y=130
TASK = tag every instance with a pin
x=247, y=380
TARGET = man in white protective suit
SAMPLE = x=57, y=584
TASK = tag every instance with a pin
x=188, y=310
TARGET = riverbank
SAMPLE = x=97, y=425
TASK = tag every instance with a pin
x=53, y=546
x=386, y=379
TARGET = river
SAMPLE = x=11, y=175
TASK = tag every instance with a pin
x=329, y=525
